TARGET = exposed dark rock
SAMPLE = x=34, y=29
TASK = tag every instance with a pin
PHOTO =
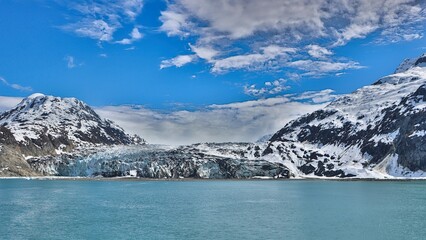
x=307, y=168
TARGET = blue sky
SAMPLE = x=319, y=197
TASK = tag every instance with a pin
x=43, y=50
x=179, y=55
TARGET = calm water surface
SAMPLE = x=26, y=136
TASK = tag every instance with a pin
x=67, y=209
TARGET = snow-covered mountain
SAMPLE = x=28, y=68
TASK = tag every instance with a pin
x=66, y=120
x=376, y=131
x=45, y=125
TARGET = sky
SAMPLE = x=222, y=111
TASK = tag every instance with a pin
x=202, y=70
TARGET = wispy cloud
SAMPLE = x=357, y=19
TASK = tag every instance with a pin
x=15, y=86
x=100, y=19
x=318, y=68
x=266, y=58
x=92, y=28
x=71, y=62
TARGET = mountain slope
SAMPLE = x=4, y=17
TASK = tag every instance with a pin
x=376, y=131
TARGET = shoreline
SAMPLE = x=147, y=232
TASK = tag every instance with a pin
x=66, y=178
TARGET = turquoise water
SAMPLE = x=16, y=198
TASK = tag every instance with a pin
x=212, y=210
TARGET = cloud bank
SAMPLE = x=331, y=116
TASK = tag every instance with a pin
x=234, y=122
x=7, y=103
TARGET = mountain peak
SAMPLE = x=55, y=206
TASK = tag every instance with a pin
x=36, y=95
x=410, y=63
x=69, y=119
x=410, y=70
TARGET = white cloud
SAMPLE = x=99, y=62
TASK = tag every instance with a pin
x=242, y=121
x=15, y=86
x=174, y=23
x=318, y=51
x=178, y=61
x=206, y=53
x=134, y=36
x=7, y=103
x=100, y=19
x=269, y=88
